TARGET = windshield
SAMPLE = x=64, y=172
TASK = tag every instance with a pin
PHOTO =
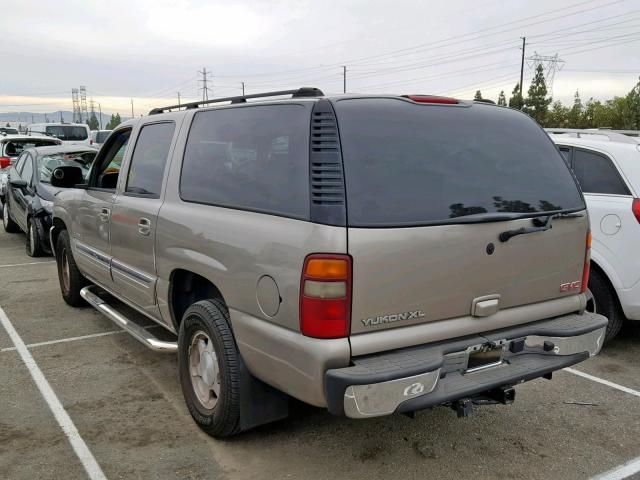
x=48, y=163
x=14, y=148
x=101, y=136
x=409, y=164
x=67, y=132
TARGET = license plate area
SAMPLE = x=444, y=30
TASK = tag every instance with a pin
x=486, y=355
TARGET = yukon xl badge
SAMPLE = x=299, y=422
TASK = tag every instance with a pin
x=394, y=317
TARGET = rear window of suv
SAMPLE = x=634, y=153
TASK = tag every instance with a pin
x=410, y=164
x=252, y=158
x=67, y=132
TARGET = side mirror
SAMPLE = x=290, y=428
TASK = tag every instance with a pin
x=66, y=177
x=18, y=183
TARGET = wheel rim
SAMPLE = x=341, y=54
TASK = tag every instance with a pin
x=64, y=260
x=32, y=238
x=591, y=302
x=204, y=370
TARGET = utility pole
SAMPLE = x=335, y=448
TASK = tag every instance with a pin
x=178, y=99
x=61, y=119
x=242, y=88
x=344, y=79
x=132, y=115
x=100, y=110
x=205, y=88
x=524, y=43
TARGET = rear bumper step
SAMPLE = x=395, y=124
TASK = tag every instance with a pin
x=138, y=332
x=419, y=377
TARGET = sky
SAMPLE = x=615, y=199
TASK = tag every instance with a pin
x=149, y=50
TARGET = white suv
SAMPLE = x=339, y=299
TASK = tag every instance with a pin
x=607, y=165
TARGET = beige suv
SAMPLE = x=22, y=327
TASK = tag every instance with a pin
x=366, y=254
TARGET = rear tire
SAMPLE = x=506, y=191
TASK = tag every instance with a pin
x=9, y=225
x=71, y=280
x=34, y=239
x=209, y=368
x=605, y=302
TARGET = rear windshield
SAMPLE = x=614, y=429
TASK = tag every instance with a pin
x=410, y=164
x=48, y=163
x=14, y=148
x=67, y=132
x=102, y=136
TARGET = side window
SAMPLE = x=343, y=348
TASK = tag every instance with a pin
x=597, y=174
x=566, y=155
x=254, y=158
x=149, y=159
x=27, y=171
x=107, y=168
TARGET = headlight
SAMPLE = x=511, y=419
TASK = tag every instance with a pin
x=47, y=205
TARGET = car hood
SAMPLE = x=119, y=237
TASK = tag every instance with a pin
x=46, y=191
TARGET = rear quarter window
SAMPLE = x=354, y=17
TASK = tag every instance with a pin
x=411, y=164
x=254, y=158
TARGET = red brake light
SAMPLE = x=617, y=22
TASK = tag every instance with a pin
x=5, y=162
x=432, y=99
x=587, y=264
x=635, y=207
x=91, y=141
x=325, y=296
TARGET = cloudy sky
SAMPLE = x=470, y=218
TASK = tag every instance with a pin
x=150, y=50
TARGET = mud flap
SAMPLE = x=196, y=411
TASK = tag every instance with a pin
x=259, y=403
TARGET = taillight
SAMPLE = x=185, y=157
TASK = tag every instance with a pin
x=325, y=296
x=91, y=141
x=432, y=99
x=5, y=162
x=587, y=264
x=635, y=208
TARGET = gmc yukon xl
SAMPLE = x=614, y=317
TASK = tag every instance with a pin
x=369, y=254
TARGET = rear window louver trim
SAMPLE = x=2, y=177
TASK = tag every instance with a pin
x=326, y=172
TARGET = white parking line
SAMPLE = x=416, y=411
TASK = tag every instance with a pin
x=62, y=417
x=621, y=472
x=603, y=381
x=24, y=264
x=63, y=340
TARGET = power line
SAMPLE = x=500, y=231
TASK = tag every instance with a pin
x=205, y=89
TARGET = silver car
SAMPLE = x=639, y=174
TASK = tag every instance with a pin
x=369, y=254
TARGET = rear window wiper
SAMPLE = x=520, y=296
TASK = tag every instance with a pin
x=542, y=224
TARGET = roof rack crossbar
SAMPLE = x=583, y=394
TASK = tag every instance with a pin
x=579, y=133
x=304, y=92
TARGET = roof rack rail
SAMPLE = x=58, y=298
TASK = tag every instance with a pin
x=304, y=92
x=579, y=133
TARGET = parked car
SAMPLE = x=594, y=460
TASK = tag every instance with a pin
x=364, y=254
x=98, y=137
x=607, y=165
x=11, y=146
x=68, y=133
x=9, y=131
x=30, y=195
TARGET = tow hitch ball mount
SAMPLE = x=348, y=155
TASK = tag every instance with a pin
x=503, y=395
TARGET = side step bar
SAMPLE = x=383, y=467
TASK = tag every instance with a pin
x=139, y=333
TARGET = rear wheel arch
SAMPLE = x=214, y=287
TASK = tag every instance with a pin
x=185, y=289
x=59, y=226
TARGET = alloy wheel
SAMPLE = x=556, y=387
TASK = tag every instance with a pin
x=204, y=370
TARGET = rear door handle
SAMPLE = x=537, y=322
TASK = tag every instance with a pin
x=144, y=226
x=104, y=215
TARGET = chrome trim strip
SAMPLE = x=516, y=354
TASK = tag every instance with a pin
x=143, y=336
x=93, y=253
x=383, y=398
x=131, y=272
x=589, y=342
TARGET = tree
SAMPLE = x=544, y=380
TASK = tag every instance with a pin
x=478, y=95
x=93, y=122
x=633, y=105
x=537, y=103
x=114, y=122
x=502, y=101
x=558, y=116
x=8, y=125
x=516, y=98
x=575, y=114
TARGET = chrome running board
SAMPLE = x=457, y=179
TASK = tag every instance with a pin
x=143, y=336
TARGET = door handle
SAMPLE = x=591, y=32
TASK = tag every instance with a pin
x=144, y=226
x=104, y=215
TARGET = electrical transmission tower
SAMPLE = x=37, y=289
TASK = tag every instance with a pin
x=205, y=89
x=77, y=115
x=551, y=65
x=83, y=104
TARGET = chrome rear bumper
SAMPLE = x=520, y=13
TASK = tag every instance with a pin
x=420, y=377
